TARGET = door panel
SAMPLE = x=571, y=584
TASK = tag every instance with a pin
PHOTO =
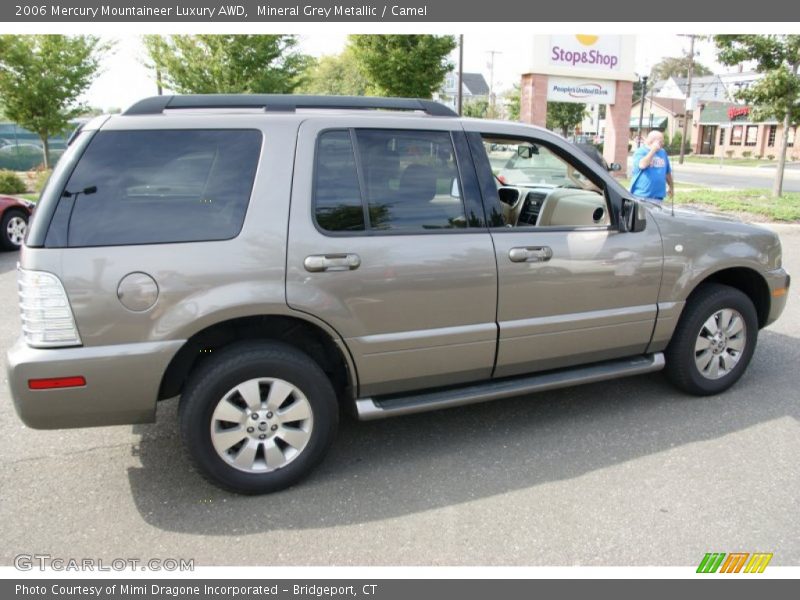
x=594, y=299
x=416, y=309
x=572, y=289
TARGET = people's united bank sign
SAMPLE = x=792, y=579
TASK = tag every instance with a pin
x=565, y=89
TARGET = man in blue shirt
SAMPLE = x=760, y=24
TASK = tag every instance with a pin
x=652, y=173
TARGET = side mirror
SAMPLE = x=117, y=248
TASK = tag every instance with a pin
x=527, y=151
x=615, y=167
x=631, y=217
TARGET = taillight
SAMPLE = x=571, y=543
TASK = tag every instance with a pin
x=47, y=319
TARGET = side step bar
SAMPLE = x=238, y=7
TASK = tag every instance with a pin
x=369, y=409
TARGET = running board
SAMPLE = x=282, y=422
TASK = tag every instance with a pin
x=369, y=409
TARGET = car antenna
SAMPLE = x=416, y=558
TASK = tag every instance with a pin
x=672, y=199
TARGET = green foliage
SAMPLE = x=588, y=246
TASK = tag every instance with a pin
x=514, y=103
x=403, y=65
x=752, y=202
x=777, y=57
x=564, y=116
x=673, y=146
x=227, y=64
x=475, y=108
x=10, y=183
x=747, y=153
x=41, y=78
x=41, y=179
x=676, y=67
x=335, y=75
x=777, y=94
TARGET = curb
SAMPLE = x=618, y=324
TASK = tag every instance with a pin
x=760, y=172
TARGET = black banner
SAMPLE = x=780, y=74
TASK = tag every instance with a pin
x=410, y=11
x=386, y=589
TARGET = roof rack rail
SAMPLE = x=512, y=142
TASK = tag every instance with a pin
x=285, y=103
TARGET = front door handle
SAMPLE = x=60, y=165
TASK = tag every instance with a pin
x=317, y=263
x=530, y=254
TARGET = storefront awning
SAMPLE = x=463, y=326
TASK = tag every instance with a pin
x=649, y=123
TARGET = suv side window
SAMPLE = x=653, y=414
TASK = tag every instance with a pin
x=407, y=179
x=337, y=195
x=538, y=187
x=157, y=186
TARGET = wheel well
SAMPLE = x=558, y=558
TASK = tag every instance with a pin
x=301, y=334
x=748, y=282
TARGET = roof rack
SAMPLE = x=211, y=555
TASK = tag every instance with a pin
x=285, y=103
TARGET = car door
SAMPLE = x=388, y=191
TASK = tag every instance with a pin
x=388, y=245
x=573, y=289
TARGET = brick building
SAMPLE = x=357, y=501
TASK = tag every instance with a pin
x=728, y=129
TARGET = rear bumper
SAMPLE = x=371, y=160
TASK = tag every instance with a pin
x=778, y=282
x=121, y=388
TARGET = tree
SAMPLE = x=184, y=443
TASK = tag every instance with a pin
x=403, y=65
x=564, y=116
x=513, y=103
x=227, y=64
x=677, y=67
x=777, y=94
x=335, y=75
x=475, y=108
x=42, y=77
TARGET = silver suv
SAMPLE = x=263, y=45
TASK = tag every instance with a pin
x=272, y=259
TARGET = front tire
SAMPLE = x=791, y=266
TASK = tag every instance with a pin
x=713, y=342
x=258, y=417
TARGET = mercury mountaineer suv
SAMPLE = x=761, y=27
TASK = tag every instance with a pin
x=272, y=259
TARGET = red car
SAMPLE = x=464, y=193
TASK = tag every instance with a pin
x=14, y=216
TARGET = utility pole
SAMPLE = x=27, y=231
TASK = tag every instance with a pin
x=641, y=109
x=688, y=97
x=491, y=81
x=460, y=93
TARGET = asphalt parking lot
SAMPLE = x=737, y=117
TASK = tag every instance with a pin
x=627, y=472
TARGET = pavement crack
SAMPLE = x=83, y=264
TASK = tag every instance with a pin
x=67, y=454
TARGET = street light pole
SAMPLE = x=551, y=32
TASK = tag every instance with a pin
x=688, y=97
x=641, y=109
x=491, y=81
x=460, y=93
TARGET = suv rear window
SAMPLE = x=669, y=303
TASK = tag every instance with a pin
x=151, y=187
x=408, y=180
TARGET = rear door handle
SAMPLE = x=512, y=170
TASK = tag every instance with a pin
x=530, y=254
x=317, y=263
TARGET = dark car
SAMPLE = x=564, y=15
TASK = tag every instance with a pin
x=14, y=216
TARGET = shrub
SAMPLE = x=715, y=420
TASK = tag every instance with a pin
x=40, y=179
x=757, y=156
x=729, y=153
x=10, y=183
x=771, y=156
x=747, y=153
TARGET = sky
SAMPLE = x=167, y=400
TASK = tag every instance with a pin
x=125, y=79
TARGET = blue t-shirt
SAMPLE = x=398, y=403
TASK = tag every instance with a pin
x=652, y=181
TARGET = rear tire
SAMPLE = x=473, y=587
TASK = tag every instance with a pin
x=713, y=342
x=258, y=417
